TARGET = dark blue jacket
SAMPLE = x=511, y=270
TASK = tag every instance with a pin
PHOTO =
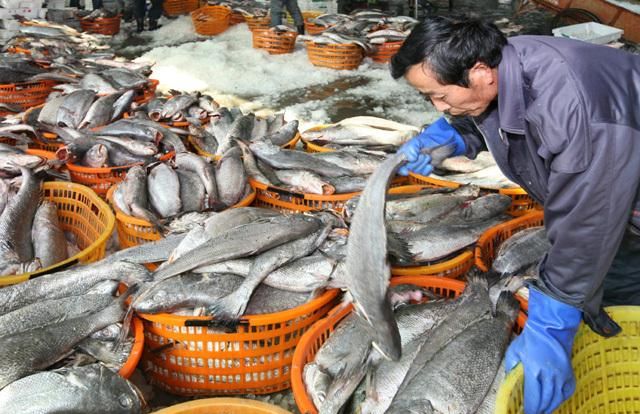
x=566, y=127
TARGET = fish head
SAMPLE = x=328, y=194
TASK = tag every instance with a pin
x=486, y=207
x=152, y=301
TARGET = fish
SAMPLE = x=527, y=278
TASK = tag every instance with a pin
x=521, y=250
x=98, y=84
x=305, y=182
x=133, y=146
x=49, y=242
x=16, y=222
x=306, y=274
x=239, y=130
x=96, y=157
x=195, y=290
x=163, y=187
x=204, y=171
x=134, y=189
x=74, y=108
x=474, y=353
x=231, y=177
x=462, y=164
x=490, y=177
x=282, y=135
x=350, y=134
x=192, y=192
x=150, y=252
x=47, y=312
x=88, y=389
x=26, y=353
x=232, y=306
x=245, y=240
x=251, y=166
x=279, y=158
x=75, y=281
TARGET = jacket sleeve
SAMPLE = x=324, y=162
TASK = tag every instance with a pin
x=591, y=188
x=473, y=140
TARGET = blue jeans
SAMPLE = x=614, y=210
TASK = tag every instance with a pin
x=292, y=8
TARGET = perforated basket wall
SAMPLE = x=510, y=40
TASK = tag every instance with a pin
x=276, y=43
x=211, y=20
x=335, y=56
x=103, y=25
x=386, y=51
x=257, y=22
x=26, y=94
x=256, y=358
x=178, y=7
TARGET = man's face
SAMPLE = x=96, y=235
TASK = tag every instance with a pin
x=453, y=99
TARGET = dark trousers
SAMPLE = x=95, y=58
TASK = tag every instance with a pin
x=622, y=283
x=292, y=8
x=154, y=13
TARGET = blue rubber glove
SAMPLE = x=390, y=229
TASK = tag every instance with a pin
x=435, y=134
x=544, y=348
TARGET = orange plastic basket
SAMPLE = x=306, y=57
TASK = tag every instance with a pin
x=101, y=179
x=289, y=145
x=144, y=95
x=257, y=22
x=223, y=405
x=490, y=241
x=133, y=231
x=386, y=51
x=103, y=25
x=315, y=29
x=346, y=56
x=185, y=357
x=521, y=203
x=26, y=94
x=211, y=20
x=315, y=337
x=81, y=212
x=310, y=146
x=236, y=18
x=178, y=7
x=276, y=43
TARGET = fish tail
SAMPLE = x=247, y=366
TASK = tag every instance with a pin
x=508, y=305
x=229, y=308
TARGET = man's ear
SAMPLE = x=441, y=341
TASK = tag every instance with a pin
x=481, y=72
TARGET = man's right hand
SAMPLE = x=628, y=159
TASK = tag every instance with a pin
x=435, y=134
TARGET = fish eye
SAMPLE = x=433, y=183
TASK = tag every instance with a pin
x=125, y=401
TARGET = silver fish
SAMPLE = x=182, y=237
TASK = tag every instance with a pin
x=49, y=243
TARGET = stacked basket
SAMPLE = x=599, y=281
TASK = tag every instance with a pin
x=274, y=42
x=258, y=22
x=386, y=51
x=25, y=95
x=211, y=20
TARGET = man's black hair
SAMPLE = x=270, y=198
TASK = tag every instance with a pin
x=450, y=47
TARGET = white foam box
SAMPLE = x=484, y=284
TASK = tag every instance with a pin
x=591, y=32
x=28, y=12
x=324, y=6
x=9, y=24
x=57, y=4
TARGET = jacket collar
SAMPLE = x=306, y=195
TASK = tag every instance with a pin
x=511, y=106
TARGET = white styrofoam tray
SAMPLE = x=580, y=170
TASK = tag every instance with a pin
x=591, y=32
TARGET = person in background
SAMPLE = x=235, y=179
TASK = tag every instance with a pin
x=292, y=8
x=561, y=119
x=155, y=12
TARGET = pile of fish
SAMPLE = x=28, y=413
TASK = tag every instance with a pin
x=361, y=131
x=435, y=223
x=125, y=142
x=31, y=237
x=106, y=82
x=343, y=171
x=189, y=183
x=483, y=172
x=227, y=127
x=451, y=358
x=179, y=107
x=44, y=320
x=241, y=261
x=245, y=7
x=363, y=28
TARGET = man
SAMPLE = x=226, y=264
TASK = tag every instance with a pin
x=292, y=8
x=154, y=14
x=562, y=119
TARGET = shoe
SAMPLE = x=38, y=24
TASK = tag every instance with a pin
x=153, y=25
x=140, y=25
x=301, y=29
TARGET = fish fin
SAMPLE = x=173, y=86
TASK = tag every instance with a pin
x=478, y=278
x=130, y=294
x=230, y=308
x=398, y=248
x=492, y=277
x=507, y=304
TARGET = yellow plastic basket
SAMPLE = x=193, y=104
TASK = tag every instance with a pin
x=607, y=372
x=81, y=212
x=223, y=405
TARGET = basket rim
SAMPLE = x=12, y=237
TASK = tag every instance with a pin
x=490, y=234
x=454, y=184
x=102, y=207
x=252, y=320
x=222, y=402
x=136, y=351
x=44, y=82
